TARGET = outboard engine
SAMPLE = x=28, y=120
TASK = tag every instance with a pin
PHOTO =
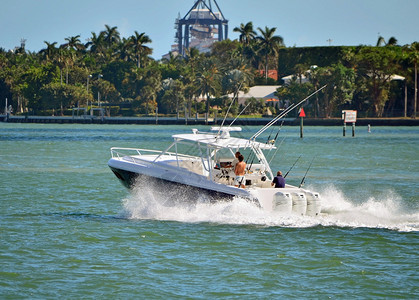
x=282, y=202
x=299, y=203
x=313, y=204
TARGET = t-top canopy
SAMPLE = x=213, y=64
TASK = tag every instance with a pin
x=216, y=141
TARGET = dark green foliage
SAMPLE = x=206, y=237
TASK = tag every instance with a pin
x=309, y=56
x=120, y=71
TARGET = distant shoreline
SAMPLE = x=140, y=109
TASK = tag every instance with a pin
x=201, y=121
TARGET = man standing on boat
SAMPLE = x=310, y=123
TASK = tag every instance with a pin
x=239, y=170
x=278, y=181
x=235, y=160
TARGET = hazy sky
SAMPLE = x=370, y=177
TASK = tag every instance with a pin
x=299, y=22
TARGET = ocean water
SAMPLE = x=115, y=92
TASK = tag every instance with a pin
x=69, y=229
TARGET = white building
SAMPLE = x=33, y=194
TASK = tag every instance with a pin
x=265, y=92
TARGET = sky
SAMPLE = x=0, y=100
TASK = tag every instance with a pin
x=299, y=22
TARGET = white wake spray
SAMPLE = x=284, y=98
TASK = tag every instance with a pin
x=382, y=211
x=150, y=202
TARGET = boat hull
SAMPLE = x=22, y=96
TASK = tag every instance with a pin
x=170, y=189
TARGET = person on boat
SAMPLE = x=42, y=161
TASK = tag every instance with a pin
x=235, y=160
x=232, y=166
x=278, y=181
x=239, y=170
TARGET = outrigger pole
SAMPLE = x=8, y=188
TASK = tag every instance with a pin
x=284, y=113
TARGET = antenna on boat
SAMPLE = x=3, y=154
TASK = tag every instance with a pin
x=284, y=113
x=302, y=181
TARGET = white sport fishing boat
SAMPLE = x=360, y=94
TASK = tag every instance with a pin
x=205, y=172
x=198, y=166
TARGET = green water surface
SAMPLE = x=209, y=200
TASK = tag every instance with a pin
x=69, y=229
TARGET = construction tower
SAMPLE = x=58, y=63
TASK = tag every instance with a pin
x=201, y=27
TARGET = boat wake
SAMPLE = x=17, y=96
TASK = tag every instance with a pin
x=150, y=202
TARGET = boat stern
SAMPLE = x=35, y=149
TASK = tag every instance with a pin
x=291, y=201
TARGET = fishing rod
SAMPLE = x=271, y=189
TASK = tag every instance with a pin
x=239, y=114
x=269, y=137
x=267, y=142
x=302, y=181
x=251, y=164
x=286, y=111
x=283, y=113
x=252, y=155
x=228, y=110
x=274, y=120
x=292, y=166
x=270, y=123
x=276, y=150
x=274, y=140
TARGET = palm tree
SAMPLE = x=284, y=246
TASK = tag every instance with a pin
x=49, y=51
x=380, y=41
x=300, y=70
x=111, y=35
x=133, y=82
x=152, y=84
x=192, y=59
x=208, y=81
x=233, y=82
x=60, y=62
x=247, y=34
x=242, y=65
x=73, y=42
x=96, y=42
x=138, y=42
x=238, y=77
x=68, y=59
x=175, y=90
x=392, y=41
x=270, y=44
x=124, y=50
x=68, y=52
x=415, y=58
x=97, y=45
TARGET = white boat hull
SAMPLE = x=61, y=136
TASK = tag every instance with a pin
x=194, y=187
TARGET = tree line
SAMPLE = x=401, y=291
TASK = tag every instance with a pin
x=118, y=73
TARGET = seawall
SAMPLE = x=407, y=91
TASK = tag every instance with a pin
x=201, y=121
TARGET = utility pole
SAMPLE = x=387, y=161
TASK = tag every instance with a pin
x=98, y=93
x=416, y=89
x=87, y=89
